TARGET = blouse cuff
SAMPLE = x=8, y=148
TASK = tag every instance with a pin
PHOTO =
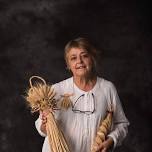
x=38, y=123
x=114, y=140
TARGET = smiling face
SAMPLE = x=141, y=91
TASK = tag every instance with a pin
x=79, y=62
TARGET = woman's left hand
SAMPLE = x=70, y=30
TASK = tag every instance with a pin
x=106, y=145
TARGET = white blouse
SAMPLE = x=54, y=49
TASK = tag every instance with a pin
x=81, y=121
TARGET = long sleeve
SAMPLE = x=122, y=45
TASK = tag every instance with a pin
x=120, y=122
x=38, y=123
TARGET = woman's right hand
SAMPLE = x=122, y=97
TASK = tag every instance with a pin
x=43, y=117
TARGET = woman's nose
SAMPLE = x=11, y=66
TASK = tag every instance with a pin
x=79, y=59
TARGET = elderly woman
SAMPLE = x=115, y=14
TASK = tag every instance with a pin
x=91, y=97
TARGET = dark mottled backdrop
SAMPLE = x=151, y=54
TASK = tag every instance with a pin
x=32, y=38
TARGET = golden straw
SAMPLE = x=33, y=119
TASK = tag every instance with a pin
x=40, y=97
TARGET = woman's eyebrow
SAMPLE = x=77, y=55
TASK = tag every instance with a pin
x=84, y=52
x=72, y=55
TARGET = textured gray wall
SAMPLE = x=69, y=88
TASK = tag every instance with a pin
x=32, y=38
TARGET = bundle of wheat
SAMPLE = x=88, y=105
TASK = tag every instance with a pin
x=66, y=102
x=102, y=131
x=40, y=97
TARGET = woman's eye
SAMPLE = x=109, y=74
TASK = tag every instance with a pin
x=73, y=58
x=85, y=55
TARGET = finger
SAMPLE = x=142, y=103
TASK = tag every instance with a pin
x=104, y=150
x=44, y=121
x=44, y=116
x=95, y=147
x=40, y=114
x=100, y=149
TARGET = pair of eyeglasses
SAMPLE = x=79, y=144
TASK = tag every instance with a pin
x=81, y=111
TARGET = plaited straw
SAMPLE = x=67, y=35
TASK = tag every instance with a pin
x=40, y=97
x=103, y=130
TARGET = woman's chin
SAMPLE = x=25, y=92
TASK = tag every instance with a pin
x=81, y=74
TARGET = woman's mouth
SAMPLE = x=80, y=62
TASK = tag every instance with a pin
x=81, y=67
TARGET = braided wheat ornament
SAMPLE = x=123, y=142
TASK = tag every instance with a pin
x=103, y=130
x=40, y=97
x=66, y=101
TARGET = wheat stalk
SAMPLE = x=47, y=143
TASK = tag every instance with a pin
x=40, y=97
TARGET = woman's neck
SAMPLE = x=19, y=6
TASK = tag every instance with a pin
x=85, y=83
